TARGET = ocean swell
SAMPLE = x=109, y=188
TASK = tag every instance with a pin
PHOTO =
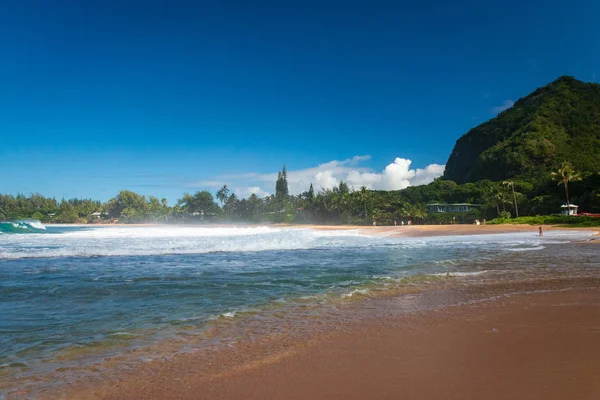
x=22, y=226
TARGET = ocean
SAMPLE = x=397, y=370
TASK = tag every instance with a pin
x=72, y=296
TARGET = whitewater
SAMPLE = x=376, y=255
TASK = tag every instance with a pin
x=86, y=241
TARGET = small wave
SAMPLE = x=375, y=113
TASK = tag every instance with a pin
x=22, y=226
x=229, y=314
x=357, y=292
x=528, y=248
x=457, y=273
x=122, y=334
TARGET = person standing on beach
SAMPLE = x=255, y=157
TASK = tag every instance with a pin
x=540, y=231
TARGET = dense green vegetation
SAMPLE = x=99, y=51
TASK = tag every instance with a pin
x=558, y=122
x=528, y=161
x=332, y=206
x=549, y=220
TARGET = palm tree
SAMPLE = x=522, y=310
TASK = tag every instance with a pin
x=223, y=194
x=512, y=185
x=420, y=211
x=565, y=174
x=414, y=211
x=495, y=196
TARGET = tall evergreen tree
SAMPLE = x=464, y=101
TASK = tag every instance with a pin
x=278, y=193
x=281, y=186
x=284, y=182
x=311, y=192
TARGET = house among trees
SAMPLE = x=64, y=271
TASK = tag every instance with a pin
x=452, y=207
x=568, y=209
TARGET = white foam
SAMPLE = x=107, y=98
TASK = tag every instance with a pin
x=230, y=314
x=362, y=292
x=161, y=240
x=458, y=273
x=534, y=248
x=34, y=223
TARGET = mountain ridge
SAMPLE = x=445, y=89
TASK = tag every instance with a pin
x=557, y=122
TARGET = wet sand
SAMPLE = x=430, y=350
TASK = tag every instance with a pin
x=527, y=340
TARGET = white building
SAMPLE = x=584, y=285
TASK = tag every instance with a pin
x=453, y=207
x=568, y=209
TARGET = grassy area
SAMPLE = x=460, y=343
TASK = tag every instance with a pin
x=570, y=221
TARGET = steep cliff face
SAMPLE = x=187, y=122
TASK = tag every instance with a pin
x=560, y=121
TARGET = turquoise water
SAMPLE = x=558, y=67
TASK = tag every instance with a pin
x=65, y=288
x=22, y=226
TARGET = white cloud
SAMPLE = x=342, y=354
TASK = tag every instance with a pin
x=503, y=107
x=245, y=192
x=396, y=175
x=428, y=174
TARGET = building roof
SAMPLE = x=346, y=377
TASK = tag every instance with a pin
x=454, y=204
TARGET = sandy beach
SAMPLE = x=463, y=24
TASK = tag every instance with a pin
x=396, y=231
x=539, y=342
x=457, y=230
x=444, y=230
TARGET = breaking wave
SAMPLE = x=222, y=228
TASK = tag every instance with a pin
x=88, y=241
x=22, y=226
x=165, y=240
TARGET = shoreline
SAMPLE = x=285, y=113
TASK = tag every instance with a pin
x=540, y=334
x=391, y=231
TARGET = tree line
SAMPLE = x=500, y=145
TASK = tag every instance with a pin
x=338, y=205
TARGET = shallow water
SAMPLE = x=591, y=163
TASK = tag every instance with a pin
x=78, y=293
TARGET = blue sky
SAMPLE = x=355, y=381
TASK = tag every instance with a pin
x=167, y=97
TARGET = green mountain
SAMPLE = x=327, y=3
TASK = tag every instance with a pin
x=557, y=122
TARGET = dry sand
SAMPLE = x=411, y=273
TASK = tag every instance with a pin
x=451, y=230
x=440, y=230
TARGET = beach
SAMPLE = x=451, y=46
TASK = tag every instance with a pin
x=415, y=230
x=446, y=230
x=413, y=312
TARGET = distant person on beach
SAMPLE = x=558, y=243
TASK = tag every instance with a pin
x=402, y=222
x=374, y=223
x=540, y=231
x=395, y=223
x=484, y=221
